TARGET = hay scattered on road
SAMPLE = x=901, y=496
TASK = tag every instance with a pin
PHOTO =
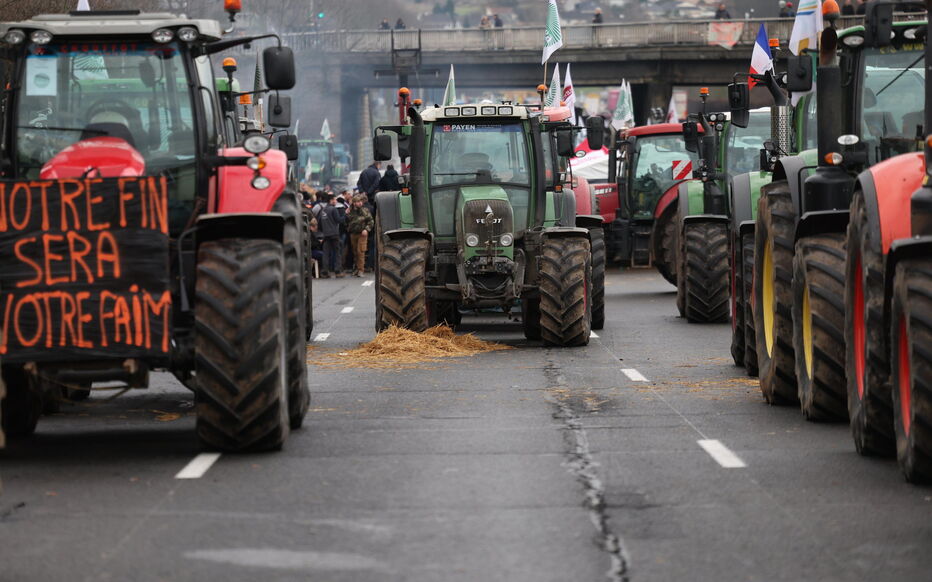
x=397, y=348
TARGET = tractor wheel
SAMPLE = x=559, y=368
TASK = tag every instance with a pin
x=402, y=295
x=665, y=229
x=22, y=405
x=737, y=305
x=818, y=326
x=308, y=279
x=870, y=409
x=565, y=289
x=597, y=239
x=380, y=325
x=773, y=294
x=680, y=280
x=530, y=318
x=299, y=395
x=241, y=345
x=911, y=359
x=704, y=271
x=747, y=280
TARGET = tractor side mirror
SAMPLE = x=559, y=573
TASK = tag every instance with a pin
x=382, y=147
x=279, y=110
x=799, y=73
x=565, y=146
x=739, y=102
x=404, y=147
x=691, y=136
x=595, y=132
x=278, y=62
x=289, y=145
x=878, y=24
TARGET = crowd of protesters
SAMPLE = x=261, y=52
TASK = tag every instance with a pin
x=343, y=223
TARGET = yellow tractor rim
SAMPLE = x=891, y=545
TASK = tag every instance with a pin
x=767, y=298
x=807, y=332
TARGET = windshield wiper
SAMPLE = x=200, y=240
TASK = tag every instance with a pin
x=903, y=72
x=55, y=128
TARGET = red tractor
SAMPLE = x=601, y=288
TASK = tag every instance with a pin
x=888, y=290
x=140, y=232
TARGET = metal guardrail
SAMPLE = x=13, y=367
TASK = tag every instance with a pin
x=530, y=38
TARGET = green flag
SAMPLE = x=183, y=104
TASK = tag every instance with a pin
x=552, y=98
x=449, y=94
x=553, y=35
x=623, y=115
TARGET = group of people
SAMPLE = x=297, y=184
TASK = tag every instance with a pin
x=486, y=23
x=399, y=24
x=343, y=223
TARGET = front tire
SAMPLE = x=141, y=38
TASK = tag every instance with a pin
x=22, y=406
x=565, y=290
x=704, y=272
x=747, y=292
x=737, y=305
x=241, y=346
x=911, y=364
x=597, y=240
x=818, y=326
x=402, y=294
x=665, y=231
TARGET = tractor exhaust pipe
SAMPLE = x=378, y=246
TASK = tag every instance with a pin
x=416, y=171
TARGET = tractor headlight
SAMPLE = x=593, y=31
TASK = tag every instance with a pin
x=41, y=37
x=162, y=35
x=255, y=164
x=261, y=182
x=506, y=239
x=257, y=144
x=472, y=240
x=188, y=34
x=14, y=37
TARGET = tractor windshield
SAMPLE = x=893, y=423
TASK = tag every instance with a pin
x=892, y=98
x=745, y=143
x=660, y=161
x=137, y=91
x=478, y=153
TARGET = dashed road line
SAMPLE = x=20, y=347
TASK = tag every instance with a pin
x=634, y=375
x=321, y=337
x=593, y=334
x=722, y=454
x=368, y=283
x=347, y=309
x=198, y=466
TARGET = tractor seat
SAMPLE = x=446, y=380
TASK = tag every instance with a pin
x=108, y=129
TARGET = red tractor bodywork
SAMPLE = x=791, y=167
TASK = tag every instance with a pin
x=236, y=193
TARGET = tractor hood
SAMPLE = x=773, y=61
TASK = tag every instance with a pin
x=485, y=214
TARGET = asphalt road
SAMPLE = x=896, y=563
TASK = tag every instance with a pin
x=644, y=456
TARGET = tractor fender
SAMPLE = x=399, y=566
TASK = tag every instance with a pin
x=407, y=233
x=565, y=232
x=902, y=249
x=588, y=221
x=740, y=200
x=257, y=225
x=236, y=194
x=606, y=201
x=746, y=227
x=583, y=195
x=669, y=197
x=690, y=197
x=564, y=204
x=389, y=210
x=822, y=222
x=706, y=218
x=887, y=188
x=795, y=170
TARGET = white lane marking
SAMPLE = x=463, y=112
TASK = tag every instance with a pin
x=198, y=466
x=321, y=337
x=722, y=454
x=347, y=310
x=593, y=334
x=634, y=375
x=368, y=283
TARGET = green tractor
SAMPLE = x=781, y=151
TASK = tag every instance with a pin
x=705, y=211
x=869, y=102
x=480, y=223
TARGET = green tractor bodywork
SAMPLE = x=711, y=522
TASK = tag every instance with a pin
x=869, y=102
x=475, y=225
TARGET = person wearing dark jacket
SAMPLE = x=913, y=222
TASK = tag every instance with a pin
x=847, y=8
x=329, y=218
x=389, y=182
x=722, y=13
x=368, y=182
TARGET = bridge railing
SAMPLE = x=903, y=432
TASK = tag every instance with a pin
x=530, y=38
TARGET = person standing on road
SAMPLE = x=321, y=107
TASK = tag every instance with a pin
x=389, y=182
x=360, y=224
x=329, y=218
x=368, y=182
x=722, y=12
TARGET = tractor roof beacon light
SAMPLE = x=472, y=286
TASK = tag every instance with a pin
x=830, y=11
x=229, y=65
x=541, y=90
x=232, y=7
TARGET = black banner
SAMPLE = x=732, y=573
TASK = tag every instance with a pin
x=84, y=270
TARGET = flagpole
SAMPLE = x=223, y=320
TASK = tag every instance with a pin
x=545, y=71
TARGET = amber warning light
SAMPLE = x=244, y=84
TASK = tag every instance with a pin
x=233, y=5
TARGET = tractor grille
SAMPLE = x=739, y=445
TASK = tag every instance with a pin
x=476, y=220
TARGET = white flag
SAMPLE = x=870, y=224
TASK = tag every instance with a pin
x=552, y=98
x=806, y=27
x=569, y=94
x=623, y=115
x=325, y=130
x=672, y=116
x=83, y=5
x=449, y=94
x=553, y=34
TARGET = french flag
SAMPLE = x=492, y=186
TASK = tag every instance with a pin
x=761, y=59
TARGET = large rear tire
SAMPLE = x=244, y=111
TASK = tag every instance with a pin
x=597, y=240
x=22, y=405
x=773, y=293
x=737, y=304
x=911, y=359
x=870, y=408
x=747, y=281
x=665, y=231
x=241, y=343
x=565, y=291
x=704, y=272
x=818, y=326
x=402, y=294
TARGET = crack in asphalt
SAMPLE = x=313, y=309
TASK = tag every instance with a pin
x=582, y=466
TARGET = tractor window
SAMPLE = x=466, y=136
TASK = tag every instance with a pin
x=892, y=100
x=206, y=78
x=660, y=162
x=6, y=75
x=745, y=143
x=811, y=125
